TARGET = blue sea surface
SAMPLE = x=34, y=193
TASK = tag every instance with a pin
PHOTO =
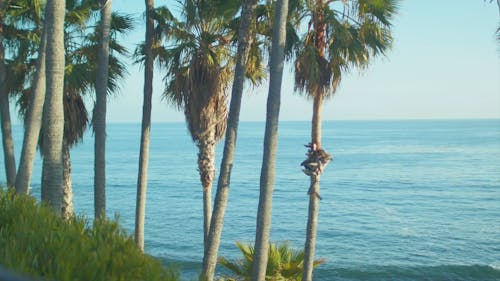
x=402, y=200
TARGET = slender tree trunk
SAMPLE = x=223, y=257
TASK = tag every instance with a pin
x=312, y=216
x=222, y=193
x=33, y=124
x=53, y=114
x=206, y=168
x=100, y=111
x=7, y=140
x=267, y=173
x=316, y=121
x=142, y=179
x=67, y=204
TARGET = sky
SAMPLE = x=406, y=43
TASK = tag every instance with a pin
x=444, y=64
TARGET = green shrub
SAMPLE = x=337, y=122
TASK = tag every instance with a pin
x=284, y=263
x=35, y=241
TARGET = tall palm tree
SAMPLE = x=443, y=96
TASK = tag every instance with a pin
x=198, y=62
x=99, y=120
x=23, y=30
x=75, y=124
x=80, y=72
x=6, y=125
x=53, y=113
x=82, y=68
x=33, y=121
x=146, y=127
x=340, y=34
x=246, y=39
x=270, y=142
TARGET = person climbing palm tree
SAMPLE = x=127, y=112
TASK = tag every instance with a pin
x=335, y=41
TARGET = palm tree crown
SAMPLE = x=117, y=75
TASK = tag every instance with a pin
x=340, y=34
x=198, y=63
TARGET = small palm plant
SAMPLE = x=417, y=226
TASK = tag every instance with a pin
x=284, y=263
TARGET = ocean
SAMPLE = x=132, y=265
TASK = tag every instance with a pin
x=402, y=200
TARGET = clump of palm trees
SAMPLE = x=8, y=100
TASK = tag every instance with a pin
x=62, y=53
x=81, y=40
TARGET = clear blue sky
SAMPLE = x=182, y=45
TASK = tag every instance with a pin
x=445, y=63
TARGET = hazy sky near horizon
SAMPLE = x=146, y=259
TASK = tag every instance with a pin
x=445, y=63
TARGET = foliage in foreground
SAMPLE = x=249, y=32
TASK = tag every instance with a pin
x=35, y=241
x=284, y=263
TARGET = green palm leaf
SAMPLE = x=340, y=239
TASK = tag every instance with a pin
x=284, y=263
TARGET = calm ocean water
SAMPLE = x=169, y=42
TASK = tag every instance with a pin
x=402, y=200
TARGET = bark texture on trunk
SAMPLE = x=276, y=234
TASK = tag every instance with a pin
x=100, y=111
x=222, y=193
x=206, y=169
x=67, y=204
x=142, y=179
x=7, y=140
x=267, y=174
x=313, y=166
x=317, y=158
x=312, y=228
x=53, y=113
x=33, y=123
x=316, y=120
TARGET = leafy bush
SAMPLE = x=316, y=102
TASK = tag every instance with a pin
x=35, y=241
x=284, y=263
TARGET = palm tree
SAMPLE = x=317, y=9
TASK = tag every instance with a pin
x=146, y=127
x=75, y=124
x=270, y=142
x=245, y=36
x=7, y=140
x=80, y=72
x=23, y=30
x=33, y=121
x=198, y=63
x=53, y=113
x=335, y=41
x=100, y=111
x=284, y=263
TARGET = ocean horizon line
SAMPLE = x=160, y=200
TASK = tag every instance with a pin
x=17, y=122
x=329, y=120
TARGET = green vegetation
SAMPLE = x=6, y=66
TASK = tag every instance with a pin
x=36, y=241
x=284, y=263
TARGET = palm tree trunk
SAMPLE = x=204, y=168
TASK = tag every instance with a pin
x=7, y=140
x=100, y=111
x=222, y=193
x=67, y=204
x=316, y=121
x=142, y=178
x=33, y=124
x=312, y=217
x=206, y=168
x=260, y=257
x=53, y=114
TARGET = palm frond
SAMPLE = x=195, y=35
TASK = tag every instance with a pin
x=75, y=118
x=284, y=263
x=352, y=35
x=121, y=23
